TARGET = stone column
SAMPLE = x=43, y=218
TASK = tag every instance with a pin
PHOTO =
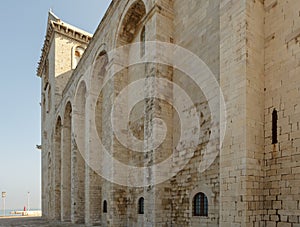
x=78, y=151
x=241, y=73
x=57, y=170
x=66, y=165
x=159, y=27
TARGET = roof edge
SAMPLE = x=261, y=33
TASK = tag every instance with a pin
x=56, y=25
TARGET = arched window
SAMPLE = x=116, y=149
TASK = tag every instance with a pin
x=141, y=206
x=77, y=54
x=104, y=206
x=200, y=205
x=143, y=39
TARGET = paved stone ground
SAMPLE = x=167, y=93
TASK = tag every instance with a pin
x=32, y=221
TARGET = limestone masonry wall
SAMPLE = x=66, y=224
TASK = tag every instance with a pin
x=251, y=47
x=282, y=92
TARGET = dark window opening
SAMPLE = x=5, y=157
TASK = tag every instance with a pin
x=104, y=206
x=274, y=126
x=200, y=205
x=141, y=206
x=77, y=54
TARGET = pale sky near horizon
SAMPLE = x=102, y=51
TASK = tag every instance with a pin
x=23, y=28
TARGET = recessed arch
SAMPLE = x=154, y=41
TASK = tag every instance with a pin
x=95, y=112
x=66, y=162
x=67, y=104
x=80, y=99
x=131, y=23
x=57, y=168
x=78, y=163
x=99, y=71
x=79, y=115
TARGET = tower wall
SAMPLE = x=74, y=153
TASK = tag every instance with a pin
x=282, y=92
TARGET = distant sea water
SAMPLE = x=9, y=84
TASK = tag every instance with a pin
x=7, y=212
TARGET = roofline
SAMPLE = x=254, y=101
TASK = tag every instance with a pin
x=55, y=25
x=91, y=44
x=51, y=13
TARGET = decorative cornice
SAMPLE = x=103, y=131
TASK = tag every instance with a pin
x=76, y=34
x=64, y=29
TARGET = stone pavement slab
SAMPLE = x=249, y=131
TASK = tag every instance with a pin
x=31, y=221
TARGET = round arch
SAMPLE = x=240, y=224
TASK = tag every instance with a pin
x=77, y=52
x=207, y=191
x=66, y=161
x=133, y=14
x=79, y=115
x=57, y=168
x=98, y=70
x=78, y=166
x=80, y=94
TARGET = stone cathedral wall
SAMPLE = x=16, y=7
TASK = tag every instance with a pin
x=251, y=48
x=282, y=92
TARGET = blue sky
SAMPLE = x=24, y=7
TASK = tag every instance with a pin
x=23, y=27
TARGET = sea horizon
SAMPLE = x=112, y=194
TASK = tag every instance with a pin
x=8, y=211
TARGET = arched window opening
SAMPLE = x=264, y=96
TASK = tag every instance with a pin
x=79, y=167
x=57, y=168
x=141, y=206
x=66, y=162
x=77, y=54
x=143, y=40
x=274, y=126
x=104, y=206
x=200, y=205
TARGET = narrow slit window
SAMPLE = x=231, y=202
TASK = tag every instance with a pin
x=104, y=206
x=141, y=206
x=143, y=40
x=274, y=126
x=49, y=100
